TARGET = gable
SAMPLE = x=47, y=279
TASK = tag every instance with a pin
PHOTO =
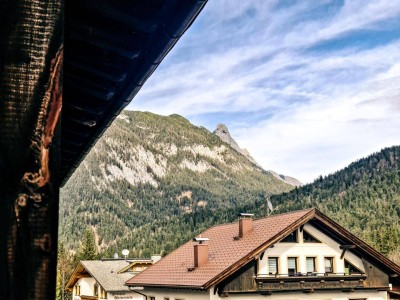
x=322, y=249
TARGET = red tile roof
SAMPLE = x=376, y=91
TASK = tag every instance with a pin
x=226, y=254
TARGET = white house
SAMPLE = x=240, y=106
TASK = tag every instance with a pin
x=297, y=255
x=105, y=279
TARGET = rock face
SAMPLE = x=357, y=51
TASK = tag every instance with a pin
x=223, y=133
x=287, y=179
x=149, y=174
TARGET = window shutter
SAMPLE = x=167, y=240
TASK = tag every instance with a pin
x=310, y=264
x=328, y=264
x=292, y=263
x=272, y=265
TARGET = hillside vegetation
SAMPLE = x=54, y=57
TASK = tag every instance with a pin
x=152, y=182
x=363, y=197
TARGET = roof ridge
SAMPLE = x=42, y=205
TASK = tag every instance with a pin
x=260, y=218
x=304, y=214
x=304, y=218
x=287, y=213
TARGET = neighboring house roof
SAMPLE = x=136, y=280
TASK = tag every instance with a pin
x=227, y=254
x=147, y=262
x=106, y=273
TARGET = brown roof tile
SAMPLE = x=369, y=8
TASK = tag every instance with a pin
x=226, y=255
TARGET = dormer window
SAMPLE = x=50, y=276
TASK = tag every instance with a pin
x=291, y=238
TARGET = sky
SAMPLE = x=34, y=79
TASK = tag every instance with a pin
x=306, y=86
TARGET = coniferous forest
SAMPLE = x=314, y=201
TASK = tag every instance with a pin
x=363, y=197
x=152, y=182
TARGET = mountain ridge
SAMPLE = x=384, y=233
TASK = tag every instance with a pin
x=364, y=197
x=149, y=173
x=222, y=131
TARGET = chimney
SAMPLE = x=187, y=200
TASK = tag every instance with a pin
x=200, y=252
x=245, y=224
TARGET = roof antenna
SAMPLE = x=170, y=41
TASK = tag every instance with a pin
x=125, y=253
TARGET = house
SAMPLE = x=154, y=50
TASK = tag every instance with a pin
x=105, y=279
x=298, y=255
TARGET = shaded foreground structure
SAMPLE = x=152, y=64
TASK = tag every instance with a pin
x=66, y=70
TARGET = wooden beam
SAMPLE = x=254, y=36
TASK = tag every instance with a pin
x=345, y=248
x=31, y=58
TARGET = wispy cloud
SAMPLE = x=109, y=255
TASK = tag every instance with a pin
x=306, y=86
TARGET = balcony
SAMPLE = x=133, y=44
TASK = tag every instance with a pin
x=308, y=282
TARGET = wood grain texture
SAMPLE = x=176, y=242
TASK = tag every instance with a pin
x=31, y=59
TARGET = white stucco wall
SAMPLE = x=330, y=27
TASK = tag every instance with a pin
x=370, y=295
x=87, y=289
x=86, y=285
x=124, y=296
x=174, y=294
x=301, y=250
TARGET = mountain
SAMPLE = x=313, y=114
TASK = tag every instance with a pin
x=287, y=179
x=364, y=197
x=152, y=181
x=223, y=133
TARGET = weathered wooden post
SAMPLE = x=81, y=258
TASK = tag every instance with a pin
x=31, y=57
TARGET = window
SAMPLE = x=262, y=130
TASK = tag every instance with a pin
x=96, y=289
x=328, y=262
x=291, y=238
x=308, y=238
x=310, y=264
x=292, y=266
x=272, y=265
x=103, y=293
x=152, y=298
x=350, y=269
x=77, y=290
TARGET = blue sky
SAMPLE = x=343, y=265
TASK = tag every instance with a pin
x=306, y=86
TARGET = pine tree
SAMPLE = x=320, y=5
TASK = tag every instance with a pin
x=88, y=249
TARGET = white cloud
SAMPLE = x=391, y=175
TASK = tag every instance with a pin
x=327, y=107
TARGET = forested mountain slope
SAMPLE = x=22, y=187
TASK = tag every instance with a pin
x=151, y=182
x=364, y=197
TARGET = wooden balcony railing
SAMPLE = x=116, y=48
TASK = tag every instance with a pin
x=309, y=281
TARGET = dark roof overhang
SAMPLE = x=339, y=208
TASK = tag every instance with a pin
x=111, y=48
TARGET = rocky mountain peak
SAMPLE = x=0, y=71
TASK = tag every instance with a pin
x=223, y=133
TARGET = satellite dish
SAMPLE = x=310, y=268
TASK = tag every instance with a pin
x=125, y=252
